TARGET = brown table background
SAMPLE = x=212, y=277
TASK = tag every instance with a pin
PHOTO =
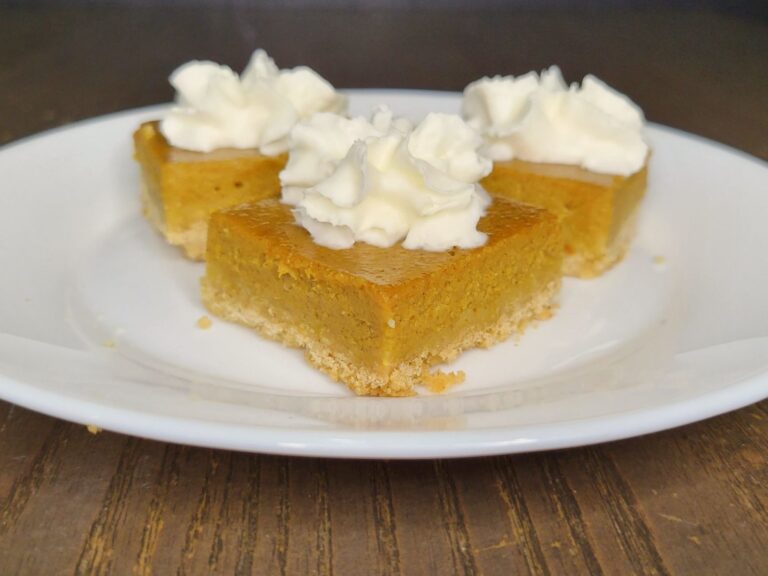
x=688, y=501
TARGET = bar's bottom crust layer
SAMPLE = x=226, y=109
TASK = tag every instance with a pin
x=401, y=380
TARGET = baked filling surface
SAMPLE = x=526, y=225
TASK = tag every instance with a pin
x=378, y=318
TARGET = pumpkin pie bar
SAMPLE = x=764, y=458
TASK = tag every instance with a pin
x=598, y=212
x=577, y=151
x=223, y=143
x=378, y=318
x=180, y=189
x=383, y=257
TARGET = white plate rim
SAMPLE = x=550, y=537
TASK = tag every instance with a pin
x=388, y=444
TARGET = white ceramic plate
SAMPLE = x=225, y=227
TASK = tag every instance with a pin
x=97, y=319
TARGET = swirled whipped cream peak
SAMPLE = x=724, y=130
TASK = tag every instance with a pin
x=216, y=108
x=383, y=181
x=538, y=118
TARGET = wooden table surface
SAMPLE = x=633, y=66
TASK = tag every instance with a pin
x=688, y=501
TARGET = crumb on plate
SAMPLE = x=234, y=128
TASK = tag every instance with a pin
x=439, y=381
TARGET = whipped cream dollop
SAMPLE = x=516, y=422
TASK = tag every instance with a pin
x=385, y=181
x=216, y=108
x=539, y=118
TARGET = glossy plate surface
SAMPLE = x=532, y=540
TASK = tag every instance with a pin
x=98, y=319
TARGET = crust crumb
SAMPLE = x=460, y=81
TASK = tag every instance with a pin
x=204, y=323
x=439, y=381
x=93, y=429
x=546, y=313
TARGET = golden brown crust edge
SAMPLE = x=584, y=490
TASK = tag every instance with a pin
x=401, y=381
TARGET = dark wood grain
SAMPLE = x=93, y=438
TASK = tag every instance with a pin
x=687, y=501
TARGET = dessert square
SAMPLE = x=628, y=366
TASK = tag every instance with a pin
x=376, y=318
x=180, y=189
x=597, y=211
x=577, y=150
